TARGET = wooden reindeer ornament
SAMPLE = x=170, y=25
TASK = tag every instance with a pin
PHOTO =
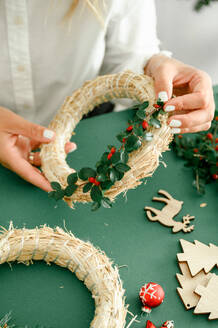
x=168, y=212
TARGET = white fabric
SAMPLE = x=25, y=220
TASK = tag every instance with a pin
x=42, y=59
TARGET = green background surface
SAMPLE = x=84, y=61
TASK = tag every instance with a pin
x=52, y=296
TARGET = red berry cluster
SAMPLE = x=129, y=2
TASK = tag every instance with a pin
x=113, y=150
x=93, y=180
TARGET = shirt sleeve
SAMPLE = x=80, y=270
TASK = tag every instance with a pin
x=131, y=37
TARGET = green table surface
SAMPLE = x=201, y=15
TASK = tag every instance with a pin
x=53, y=296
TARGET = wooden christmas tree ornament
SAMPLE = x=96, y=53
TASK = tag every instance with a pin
x=142, y=162
x=208, y=302
x=189, y=284
x=198, y=256
x=168, y=212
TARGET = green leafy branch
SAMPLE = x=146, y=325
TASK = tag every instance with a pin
x=200, y=152
x=202, y=3
x=113, y=163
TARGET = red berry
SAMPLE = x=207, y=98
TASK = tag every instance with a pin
x=216, y=140
x=129, y=129
x=216, y=148
x=113, y=150
x=97, y=183
x=144, y=125
x=200, y=158
x=180, y=136
x=124, y=140
x=156, y=106
x=215, y=176
x=217, y=164
x=216, y=118
x=195, y=150
x=91, y=179
x=109, y=156
x=209, y=136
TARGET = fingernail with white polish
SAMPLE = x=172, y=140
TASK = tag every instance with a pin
x=73, y=149
x=48, y=134
x=175, y=123
x=169, y=108
x=162, y=95
x=175, y=130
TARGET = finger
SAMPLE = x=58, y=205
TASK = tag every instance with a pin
x=70, y=147
x=188, y=102
x=193, y=129
x=29, y=173
x=15, y=124
x=163, y=82
x=193, y=118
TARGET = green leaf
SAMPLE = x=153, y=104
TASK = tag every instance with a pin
x=121, y=167
x=120, y=175
x=144, y=105
x=155, y=123
x=86, y=172
x=69, y=190
x=72, y=178
x=51, y=194
x=59, y=194
x=131, y=141
x=55, y=185
x=101, y=177
x=106, y=202
x=106, y=185
x=124, y=157
x=122, y=135
x=114, y=176
x=96, y=194
x=115, y=158
x=141, y=114
x=104, y=158
x=87, y=187
x=160, y=103
x=102, y=168
x=95, y=206
x=138, y=130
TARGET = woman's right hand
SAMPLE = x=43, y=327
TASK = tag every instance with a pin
x=18, y=137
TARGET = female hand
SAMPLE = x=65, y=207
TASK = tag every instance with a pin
x=193, y=108
x=18, y=137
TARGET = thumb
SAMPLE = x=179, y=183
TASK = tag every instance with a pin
x=163, y=84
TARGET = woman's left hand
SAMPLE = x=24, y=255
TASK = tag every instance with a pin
x=193, y=108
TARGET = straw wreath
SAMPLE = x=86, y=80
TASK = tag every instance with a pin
x=90, y=265
x=142, y=162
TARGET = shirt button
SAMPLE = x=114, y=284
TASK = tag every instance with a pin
x=18, y=20
x=21, y=68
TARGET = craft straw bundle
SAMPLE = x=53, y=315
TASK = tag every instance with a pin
x=143, y=161
x=88, y=263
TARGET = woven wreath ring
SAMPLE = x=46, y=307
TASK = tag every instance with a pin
x=143, y=161
x=90, y=265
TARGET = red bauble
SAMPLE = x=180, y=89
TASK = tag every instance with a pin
x=150, y=324
x=168, y=324
x=151, y=295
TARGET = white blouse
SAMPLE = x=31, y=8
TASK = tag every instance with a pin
x=42, y=59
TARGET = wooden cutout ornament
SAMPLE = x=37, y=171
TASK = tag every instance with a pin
x=189, y=284
x=198, y=256
x=208, y=302
x=168, y=212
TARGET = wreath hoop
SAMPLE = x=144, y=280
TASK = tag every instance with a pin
x=142, y=161
x=89, y=264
